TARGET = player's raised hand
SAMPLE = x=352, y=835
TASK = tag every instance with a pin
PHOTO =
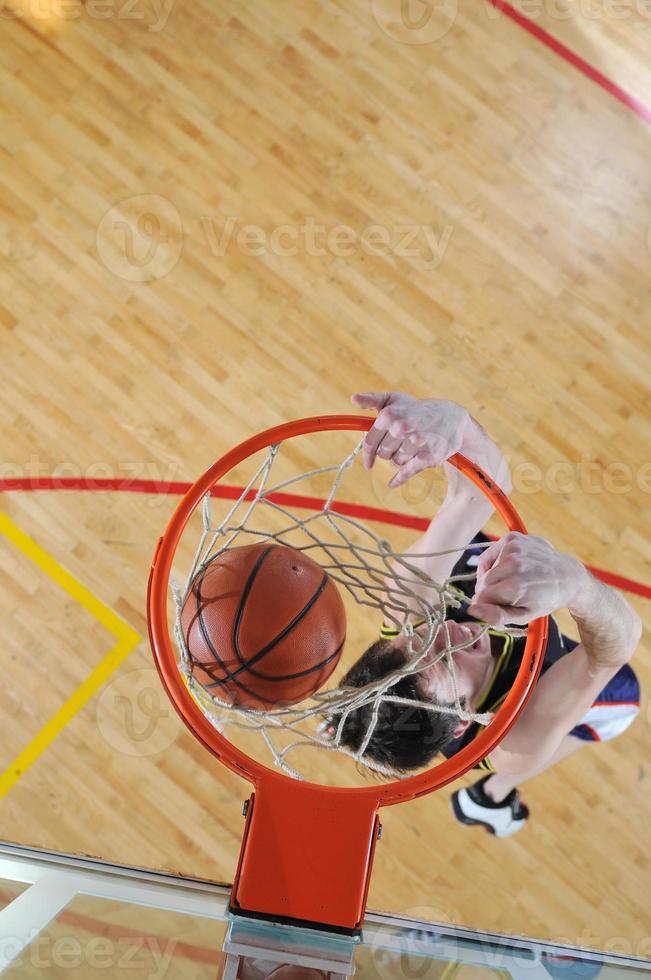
x=413, y=433
x=522, y=577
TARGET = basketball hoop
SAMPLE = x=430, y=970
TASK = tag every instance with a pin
x=307, y=849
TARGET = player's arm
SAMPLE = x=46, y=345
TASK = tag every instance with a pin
x=415, y=434
x=523, y=577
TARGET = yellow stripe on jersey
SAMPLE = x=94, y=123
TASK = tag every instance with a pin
x=486, y=765
x=503, y=661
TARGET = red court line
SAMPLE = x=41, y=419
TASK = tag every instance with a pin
x=574, y=59
x=288, y=499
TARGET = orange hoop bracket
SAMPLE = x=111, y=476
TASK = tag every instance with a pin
x=307, y=849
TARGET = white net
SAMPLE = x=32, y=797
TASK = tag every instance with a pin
x=364, y=565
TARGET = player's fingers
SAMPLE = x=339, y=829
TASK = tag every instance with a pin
x=373, y=438
x=508, y=591
x=389, y=446
x=491, y=556
x=504, y=568
x=486, y=561
x=500, y=559
x=419, y=457
x=496, y=615
x=414, y=465
x=371, y=399
x=407, y=449
x=400, y=427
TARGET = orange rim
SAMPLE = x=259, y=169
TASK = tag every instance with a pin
x=256, y=772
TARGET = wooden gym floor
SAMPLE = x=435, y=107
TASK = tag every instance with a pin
x=497, y=198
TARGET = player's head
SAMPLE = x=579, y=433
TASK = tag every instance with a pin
x=404, y=737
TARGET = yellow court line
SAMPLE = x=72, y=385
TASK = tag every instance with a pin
x=127, y=639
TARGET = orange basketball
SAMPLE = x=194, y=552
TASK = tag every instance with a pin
x=264, y=626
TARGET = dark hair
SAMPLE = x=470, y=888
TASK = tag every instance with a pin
x=403, y=738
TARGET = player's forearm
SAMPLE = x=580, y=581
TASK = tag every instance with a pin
x=610, y=631
x=451, y=530
x=609, y=627
x=480, y=448
x=561, y=698
x=466, y=508
x=438, y=550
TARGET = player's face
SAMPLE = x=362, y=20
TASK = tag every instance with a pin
x=472, y=664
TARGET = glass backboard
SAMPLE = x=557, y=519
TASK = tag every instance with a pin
x=71, y=917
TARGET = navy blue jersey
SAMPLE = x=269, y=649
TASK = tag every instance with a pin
x=612, y=711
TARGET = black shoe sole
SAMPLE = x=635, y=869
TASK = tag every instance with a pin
x=472, y=822
x=468, y=821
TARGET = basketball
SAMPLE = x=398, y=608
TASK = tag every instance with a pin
x=264, y=625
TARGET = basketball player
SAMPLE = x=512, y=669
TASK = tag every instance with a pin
x=587, y=691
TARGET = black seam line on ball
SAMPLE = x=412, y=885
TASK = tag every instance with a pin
x=209, y=668
x=230, y=676
x=255, y=695
x=253, y=574
x=198, y=617
x=217, y=682
x=280, y=636
x=246, y=665
x=309, y=670
x=301, y=673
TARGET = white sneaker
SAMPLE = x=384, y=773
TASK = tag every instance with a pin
x=472, y=806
